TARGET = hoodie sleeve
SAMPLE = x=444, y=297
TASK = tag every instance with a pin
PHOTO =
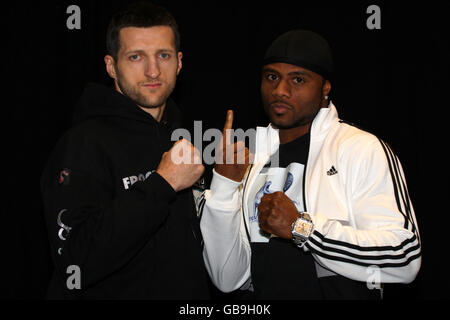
x=89, y=226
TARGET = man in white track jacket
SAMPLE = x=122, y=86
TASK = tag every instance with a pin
x=359, y=230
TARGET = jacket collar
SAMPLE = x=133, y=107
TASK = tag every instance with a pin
x=323, y=121
x=268, y=141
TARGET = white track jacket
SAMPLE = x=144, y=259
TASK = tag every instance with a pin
x=363, y=217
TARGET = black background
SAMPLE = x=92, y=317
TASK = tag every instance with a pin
x=393, y=82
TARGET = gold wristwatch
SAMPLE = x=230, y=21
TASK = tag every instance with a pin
x=301, y=229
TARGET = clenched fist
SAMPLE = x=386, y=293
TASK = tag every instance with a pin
x=276, y=214
x=181, y=166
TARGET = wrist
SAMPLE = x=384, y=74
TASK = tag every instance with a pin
x=230, y=174
x=223, y=188
x=168, y=179
x=160, y=187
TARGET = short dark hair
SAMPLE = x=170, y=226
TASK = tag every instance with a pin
x=140, y=15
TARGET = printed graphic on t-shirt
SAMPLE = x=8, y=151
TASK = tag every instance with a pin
x=288, y=180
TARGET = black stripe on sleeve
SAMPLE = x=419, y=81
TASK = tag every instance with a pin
x=360, y=248
x=396, y=192
x=401, y=255
x=400, y=188
x=403, y=188
x=360, y=263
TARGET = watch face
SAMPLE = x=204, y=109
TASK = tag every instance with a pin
x=303, y=227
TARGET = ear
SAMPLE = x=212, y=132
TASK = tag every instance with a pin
x=326, y=88
x=180, y=63
x=109, y=62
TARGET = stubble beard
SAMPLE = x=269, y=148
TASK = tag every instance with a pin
x=144, y=101
x=294, y=122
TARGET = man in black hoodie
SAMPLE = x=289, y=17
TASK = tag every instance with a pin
x=119, y=208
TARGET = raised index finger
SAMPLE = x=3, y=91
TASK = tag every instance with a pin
x=226, y=133
x=228, y=121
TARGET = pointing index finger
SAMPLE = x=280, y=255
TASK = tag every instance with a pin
x=228, y=120
x=226, y=133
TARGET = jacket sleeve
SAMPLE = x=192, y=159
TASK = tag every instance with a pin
x=89, y=225
x=381, y=243
x=226, y=252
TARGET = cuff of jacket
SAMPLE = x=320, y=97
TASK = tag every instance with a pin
x=160, y=188
x=223, y=188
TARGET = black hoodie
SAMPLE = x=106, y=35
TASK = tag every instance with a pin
x=110, y=216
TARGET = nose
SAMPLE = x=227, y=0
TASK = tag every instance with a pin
x=282, y=90
x=152, y=69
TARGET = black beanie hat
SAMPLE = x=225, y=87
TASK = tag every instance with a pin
x=302, y=48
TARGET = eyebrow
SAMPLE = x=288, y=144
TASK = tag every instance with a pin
x=142, y=51
x=292, y=73
x=299, y=73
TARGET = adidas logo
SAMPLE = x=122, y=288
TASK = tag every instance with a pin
x=332, y=171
